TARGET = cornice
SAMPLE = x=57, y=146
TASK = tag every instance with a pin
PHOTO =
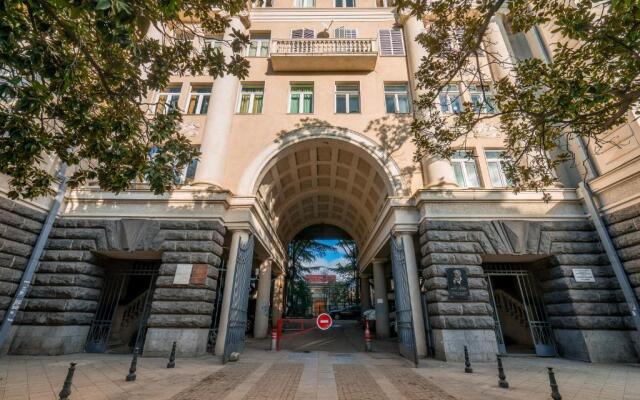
x=321, y=14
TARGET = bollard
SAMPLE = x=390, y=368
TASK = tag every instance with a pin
x=66, y=387
x=172, y=357
x=132, y=369
x=367, y=337
x=502, y=379
x=555, y=394
x=274, y=339
x=467, y=363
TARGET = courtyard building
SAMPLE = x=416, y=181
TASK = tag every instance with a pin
x=318, y=134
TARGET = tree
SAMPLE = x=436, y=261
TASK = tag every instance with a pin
x=301, y=253
x=74, y=79
x=348, y=270
x=589, y=86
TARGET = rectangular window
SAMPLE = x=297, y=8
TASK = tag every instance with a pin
x=168, y=100
x=345, y=3
x=304, y=3
x=302, y=33
x=213, y=41
x=187, y=174
x=251, y=98
x=345, y=33
x=464, y=166
x=391, y=42
x=495, y=164
x=482, y=102
x=259, y=45
x=396, y=98
x=347, y=98
x=262, y=3
x=385, y=3
x=301, y=98
x=198, y=100
x=450, y=101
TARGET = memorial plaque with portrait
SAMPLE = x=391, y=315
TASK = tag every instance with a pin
x=457, y=283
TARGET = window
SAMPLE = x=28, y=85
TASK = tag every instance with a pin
x=251, y=98
x=168, y=100
x=385, y=3
x=391, y=43
x=259, y=46
x=450, y=102
x=347, y=98
x=302, y=34
x=495, y=163
x=301, y=98
x=213, y=41
x=345, y=3
x=482, y=102
x=262, y=3
x=345, y=33
x=198, y=100
x=187, y=174
x=464, y=167
x=396, y=98
x=304, y=3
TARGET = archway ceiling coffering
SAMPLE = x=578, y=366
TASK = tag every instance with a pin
x=324, y=181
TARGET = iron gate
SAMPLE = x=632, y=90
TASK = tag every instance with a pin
x=215, y=315
x=114, y=285
x=404, y=317
x=532, y=305
x=234, y=339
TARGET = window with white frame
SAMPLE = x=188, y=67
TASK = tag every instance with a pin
x=345, y=33
x=347, y=98
x=259, y=45
x=391, y=42
x=495, y=164
x=482, y=101
x=304, y=3
x=464, y=167
x=301, y=98
x=396, y=98
x=345, y=3
x=198, y=102
x=187, y=173
x=385, y=3
x=213, y=40
x=251, y=98
x=450, y=100
x=167, y=100
x=262, y=3
x=302, y=33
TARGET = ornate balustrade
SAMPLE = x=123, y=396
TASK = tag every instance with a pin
x=324, y=54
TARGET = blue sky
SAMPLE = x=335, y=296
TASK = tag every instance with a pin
x=331, y=258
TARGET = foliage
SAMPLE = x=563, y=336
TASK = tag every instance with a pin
x=75, y=76
x=301, y=301
x=301, y=253
x=589, y=86
x=348, y=271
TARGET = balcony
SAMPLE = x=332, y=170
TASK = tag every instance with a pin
x=324, y=54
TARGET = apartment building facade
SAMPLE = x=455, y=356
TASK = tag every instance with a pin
x=318, y=133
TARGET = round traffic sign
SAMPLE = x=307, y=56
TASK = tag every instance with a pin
x=324, y=321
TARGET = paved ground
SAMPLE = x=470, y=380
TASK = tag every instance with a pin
x=337, y=372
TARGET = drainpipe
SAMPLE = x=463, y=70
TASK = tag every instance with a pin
x=32, y=264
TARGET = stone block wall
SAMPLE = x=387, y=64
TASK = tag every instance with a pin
x=581, y=314
x=624, y=228
x=19, y=229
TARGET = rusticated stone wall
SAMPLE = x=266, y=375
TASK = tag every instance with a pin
x=19, y=229
x=68, y=283
x=590, y=320
x=624, y=228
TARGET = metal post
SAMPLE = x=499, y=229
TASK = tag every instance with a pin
x=34, y=258
x=555, y=394
x=172, y=357
x=66, y=387
x=132, y=369
x=502, y=379
x=467, y=363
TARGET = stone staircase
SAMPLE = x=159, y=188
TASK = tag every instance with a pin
x=513, y=317
x=125, y=325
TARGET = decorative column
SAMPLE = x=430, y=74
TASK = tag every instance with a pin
x=261, y=323
x=217, y=127
x=440, y=174
x=414, y=292
x=382, y=304
x=365, y=294
x=277, y=303
x=238, y=237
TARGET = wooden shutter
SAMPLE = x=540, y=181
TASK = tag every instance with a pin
x=391, y=43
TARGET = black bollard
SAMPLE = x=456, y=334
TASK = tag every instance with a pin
x=467, y=363
x=172, y=357
x=66, y=387
x=132, y=369
x=555, y=394
x=502, y=379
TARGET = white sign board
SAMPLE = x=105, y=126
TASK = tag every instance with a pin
x=183, y=274
x=583, y=275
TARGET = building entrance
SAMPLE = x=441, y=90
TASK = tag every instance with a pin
x=120, y=323
x=521, y=323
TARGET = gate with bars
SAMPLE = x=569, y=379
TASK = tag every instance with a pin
x=404, y=317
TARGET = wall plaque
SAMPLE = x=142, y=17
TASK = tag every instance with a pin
x=199, y=274
x=583, y=275
x=183, y=274
x=457, y=283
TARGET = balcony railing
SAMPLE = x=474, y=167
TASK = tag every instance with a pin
x=324, y=54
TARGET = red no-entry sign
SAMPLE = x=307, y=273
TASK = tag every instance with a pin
x=324, y=321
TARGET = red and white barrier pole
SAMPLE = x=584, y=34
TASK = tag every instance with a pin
x=367, y=336
x=274, y=339
x=278, y=333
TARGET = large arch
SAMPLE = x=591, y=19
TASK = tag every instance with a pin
x=323, y=175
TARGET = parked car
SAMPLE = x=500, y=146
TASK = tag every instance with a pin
x=351, y=312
